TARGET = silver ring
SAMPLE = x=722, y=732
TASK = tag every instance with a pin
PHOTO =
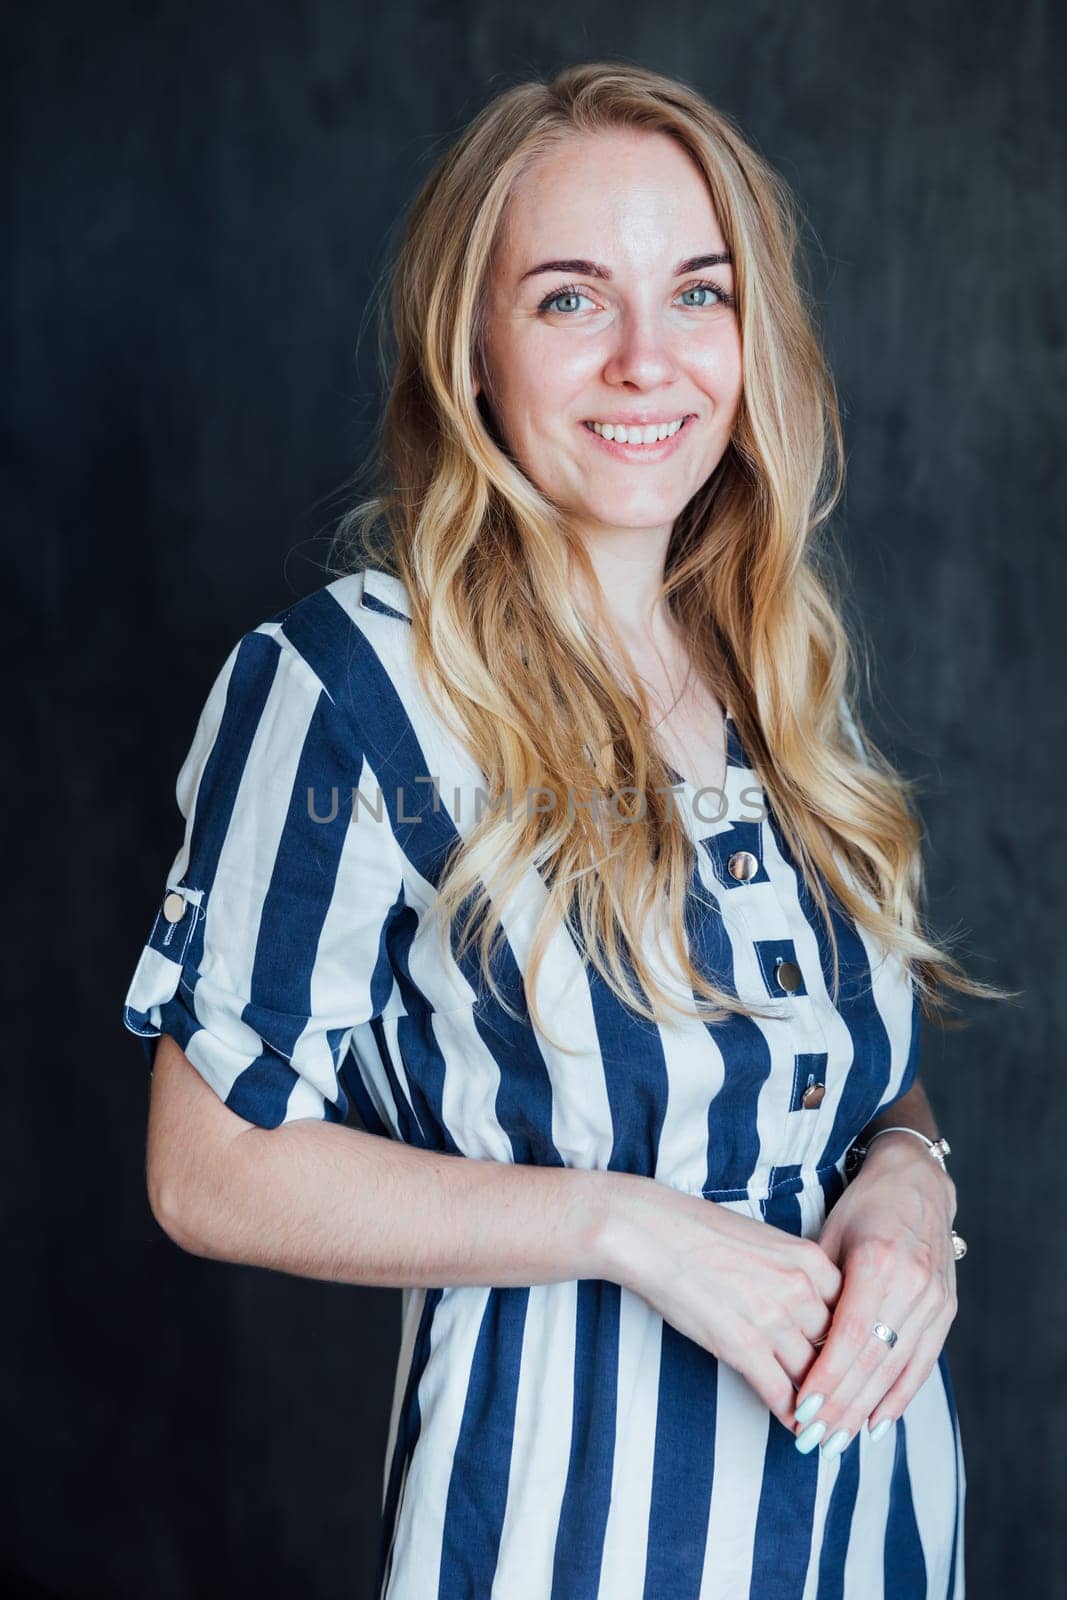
x=884, y=1333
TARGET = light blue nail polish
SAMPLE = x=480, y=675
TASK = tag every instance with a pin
x=810, y=1437
x=881, y=1430
x=805, y=1412
x=836, y=1443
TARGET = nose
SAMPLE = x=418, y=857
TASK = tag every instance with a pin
x=642, y=353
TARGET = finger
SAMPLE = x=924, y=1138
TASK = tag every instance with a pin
x=929, y=1322
x=826, y=1278
x=880, y=1363
x=806, y=1256
x=853, y=1353
x=808, y=1323
x=845, y=1412
x=813, y=1346
x=796, y=1349
x=762, y=1370
x=912, y=1373
x=847, y=1415
x=907, y=1384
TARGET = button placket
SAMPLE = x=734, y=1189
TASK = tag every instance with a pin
x=741, y=873
x=809, y=1066
x=811, y=1082
x=783, y=978
x=747, y=899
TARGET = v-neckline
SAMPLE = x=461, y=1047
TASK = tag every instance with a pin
x=730, y=731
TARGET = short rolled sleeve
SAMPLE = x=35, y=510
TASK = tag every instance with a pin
x=270, y=943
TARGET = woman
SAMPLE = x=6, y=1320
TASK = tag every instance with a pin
x=608, y=1044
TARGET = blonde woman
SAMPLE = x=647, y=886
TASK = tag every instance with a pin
x=546, y=932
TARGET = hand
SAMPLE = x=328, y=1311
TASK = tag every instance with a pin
x=891, y=1235
x=754, y=1295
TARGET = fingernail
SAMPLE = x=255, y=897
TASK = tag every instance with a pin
x=836, y=1442
x=810, y=1437
x=881, y=1430
x=805, y=1412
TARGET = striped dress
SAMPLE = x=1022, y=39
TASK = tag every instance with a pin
x=557, y=1441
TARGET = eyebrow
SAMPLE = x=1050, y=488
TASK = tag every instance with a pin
x=593, y=269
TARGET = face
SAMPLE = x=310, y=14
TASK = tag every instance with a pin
x=599, y=313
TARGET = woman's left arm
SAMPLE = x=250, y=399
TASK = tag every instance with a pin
x=890, y=1234
x=912, y=1110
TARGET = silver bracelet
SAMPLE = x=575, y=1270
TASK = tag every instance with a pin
x=938, y=1148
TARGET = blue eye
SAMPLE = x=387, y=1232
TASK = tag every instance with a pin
x=571, y=291
x=724, y=298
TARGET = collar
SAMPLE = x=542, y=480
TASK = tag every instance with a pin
x=383, y=590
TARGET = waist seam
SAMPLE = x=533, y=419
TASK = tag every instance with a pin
x=806, y=1178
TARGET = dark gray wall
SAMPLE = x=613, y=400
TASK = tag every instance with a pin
x=201, y=203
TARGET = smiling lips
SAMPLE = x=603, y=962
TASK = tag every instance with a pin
x=637, y=433
x=651, y=441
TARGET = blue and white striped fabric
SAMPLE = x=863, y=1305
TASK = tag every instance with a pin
x=559, y=1441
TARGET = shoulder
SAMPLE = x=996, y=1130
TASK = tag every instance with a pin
x=335, y=664
x=314, y=688
x=345, y=636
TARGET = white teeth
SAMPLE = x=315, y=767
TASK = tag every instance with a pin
x=652, y=434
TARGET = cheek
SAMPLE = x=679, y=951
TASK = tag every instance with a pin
x=718, y=370
x=552, y=374
x=532, y=385
x=541, y=395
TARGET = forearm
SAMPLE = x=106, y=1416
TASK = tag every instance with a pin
x=901, y=1150
x=322, y=1200
x=912, y=1110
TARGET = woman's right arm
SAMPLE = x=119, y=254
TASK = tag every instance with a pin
x=323, y=1200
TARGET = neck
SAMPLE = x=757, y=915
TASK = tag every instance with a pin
x=629, y=569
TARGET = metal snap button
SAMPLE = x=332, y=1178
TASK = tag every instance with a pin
x=174, y=906
x=812, y=1095
x=788, y=975
x=742, y=865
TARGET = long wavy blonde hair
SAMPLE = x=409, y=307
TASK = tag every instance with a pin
x=504, y=653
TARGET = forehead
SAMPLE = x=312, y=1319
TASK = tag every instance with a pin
x=633, y=195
